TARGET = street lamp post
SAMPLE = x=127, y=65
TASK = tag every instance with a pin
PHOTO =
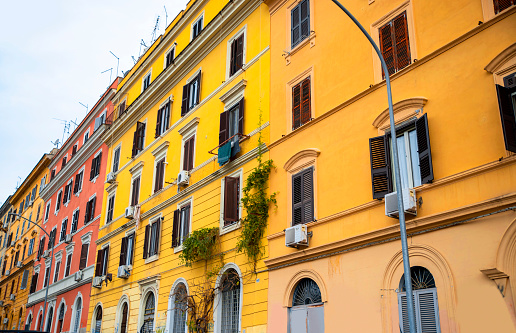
x=403, y=229
x=51, y=260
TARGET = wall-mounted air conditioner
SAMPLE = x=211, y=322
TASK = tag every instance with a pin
x=409, y=202
x=68, y=239
x=97, y=281
x=111, y=177
x=6, y=320
x=124, y=271
x=129, y=212
x=12, y=297
x=183, y=178
x=1, y=303
x=46, y=253
x=7, y=272
x=78, y=276
x=19, y=264
x=296, y=236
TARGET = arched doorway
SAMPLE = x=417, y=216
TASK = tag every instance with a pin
x=180, y=306
x=98, y=319
x=230, y=302
x=125, y=314
x=307, y=311
x=148, y=314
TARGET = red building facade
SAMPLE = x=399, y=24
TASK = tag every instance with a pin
x=73, y=202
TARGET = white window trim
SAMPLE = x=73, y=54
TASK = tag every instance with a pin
x=110, y=195
x=148, y=74
x=69, y=197
x=82, y=180
x=74, y=310
x=84, y=136
x=95, y=156
x=188, y=201
x=58, y=200
x=119, y=146
x=71, y=221
x=224, y=230
x=217, y=313
x=127, y=234
x=242, y=31
x=194, y=22
x=58, y=261
x=171, y=308
x=134, y=176
x=153, y=220
x=187, y=134
x=170, y=49
x=144, y=141
x=61, y=229
x=157, y=158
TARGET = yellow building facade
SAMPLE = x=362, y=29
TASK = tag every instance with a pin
x=184, y=137
x=452, y=67
x=20, y=246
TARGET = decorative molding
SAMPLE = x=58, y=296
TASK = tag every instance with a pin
x=305, y=153
x=236, y=90
x=189, y=126
x=302, y=274
x=499, y=278
x=111, y=187
x=137, y=167
x=501, y=59
x=403, y=110
x=161, y=148
x=86, y=238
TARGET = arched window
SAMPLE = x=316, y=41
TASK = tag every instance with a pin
x=40, y=321
x=148, y=315
x=180, y=305
x=307, y=311
x=98, y=320
x=125, y=313
x=230, y=303
x=425, y=300
x=77, y=317
x=60, y=319
x=49, y=319
x=28, y=322
x=19, y=319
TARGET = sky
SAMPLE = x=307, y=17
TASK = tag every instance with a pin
x=52, y=55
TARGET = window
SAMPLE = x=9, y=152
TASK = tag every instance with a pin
x=231, y=200
x=110, y=209
x=58, y=201
x=507, y=105
x=84, y=256
x=95, y=166
x=56, y=273
x=47, y=211
x=180, y=307
x=181, y=225
x=425, y=300
x=163, y=119
x=64, y=161
x=52, y=174
x=27, y=201
x=139, y=138
x=303, y=197
x=127, y=250
x=98, y=320
x=90, y=210
x=86, y=136
x=43, y=182
x=135, y=191
x=116, y=158
x=99, y=121
x=501, y=5
x=74, y=149
x=414, y=157
x=60, y=319
x=146, y=81
x=41, y=247
x=68, y=192
x=23, y=252
x=64, y=226
x=33, y=194
x=77, y=317
x=125, y=318
x=52, y=238
x=75, y=221
x=37, y=214
x=47, y=274
x=307, y=312
x=20, y=210
x=232, y=123
x=230, y=290
x=301, y=104
x=152, y=238
x=31, y=246
x=300, y=23
x=169, y=56
x=78, y=182
x=188, y=153
x=121, y=107
x=148, y=315
x=237, y=55
x=102, y=261
x=394, y=44
x=197, y=27
x=159, y=177
x=68, y=264
x=191, y=94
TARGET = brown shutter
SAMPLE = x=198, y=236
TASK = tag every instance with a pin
x=425, y=154
x=296, y=107
x=232, y=61
x=191, y=147
x=92, y=211
x=501, y=5
x=239, y=53
x=158, y=123
x=387, y=48
x=198, y=79
x=308, y=195
x=146, y=241
x=230, y=200
x=158, y=235
x=99, y=159
x=175, y=229
x=157, y=177
x=184, y=104
x=123, y=252
x=167, y=115
x=306, y=112
x=507, y=116
x=135, y=142
x=84, y=256
x=241, y=116
x=402, y=41
x=98, y=266
x=87, y=214
x=224, y=127
x=380, y=166
x=186, y=157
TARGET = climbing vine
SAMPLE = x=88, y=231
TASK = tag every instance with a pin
x=199, y=245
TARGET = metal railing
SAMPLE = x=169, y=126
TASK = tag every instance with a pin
x=242, y=138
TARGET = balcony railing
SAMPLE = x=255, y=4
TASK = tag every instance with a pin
x=242, y=137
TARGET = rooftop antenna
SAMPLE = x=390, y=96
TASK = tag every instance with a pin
x=142, y=43
x=56, y=143
x=66, y=130
x=117, y=62
x=156, y=27
x=74, y=122
x=135, y=61
x=166, y=17
x=18, y=183
x=110, y=73
x=86, y=106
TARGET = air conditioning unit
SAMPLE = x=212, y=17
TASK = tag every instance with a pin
x=12, y=297
x=7, y=272
x=296, y=236
x=97, y=282
x=409, y=202
x=46, y=253
x=124, y=271
x=129, y=212
x=183, y=178
x=2, y=303
x=78, y=276
x=68, y=239
x=19, y=264
x=111, y=177
x=31, y=203
x=12, y=243
x=6, y=320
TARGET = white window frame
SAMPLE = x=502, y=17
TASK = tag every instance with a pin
x=69, y=197
x=242, y=31
x=159, y=154
x=58, y=258
x=100, y=165
x=111, y=195
x=171, y=307
x=186, y=202
x=134, y=176
x=61, y=229
x=128, y=258
x=187, y=132
x=238, y=173
x=58, y=200
x=217, y=313
x=170, y=49
x=188, y=81
x=149, y=75
x=153, y=220
x=119, y=146
x=194, y=22
x=84, y=140
x=71, y=222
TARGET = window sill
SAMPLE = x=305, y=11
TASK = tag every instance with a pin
x=150, y=259
x=229, y=228
x=178, y=249
x=78, y=192
x=309, y=40
x=94, y=179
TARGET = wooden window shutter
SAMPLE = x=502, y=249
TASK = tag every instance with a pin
x=158, y=235
x=33, y=283
x=141, y=136
x=184, y=102
x=306, y=112
x=232, y=60
x=402, y=41
x=87, y=214
x=105, y=260
x=175, y=229
x=239, y=52
x=304, y=20
x=166, y=116
x=380, y=166
x=387, y=48
x=135, y=142
x=241, y=116
x=92, y=170
x=92, y=211
x=186, y=157
x=295, y=26
x=84, y=256
x=158, y=123
x=198, y=79
x=507, y=116
x=98, y=265
x=191, y=153
x=501, y=5
x=99, y=159
x=224, y=127
x=123, y=252
x=302, y=197
x=297, y=199
x=296, y=107
x=231, y=185
x=146, y=241
x=425, y=155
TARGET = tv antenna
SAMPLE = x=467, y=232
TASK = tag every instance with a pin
x=110, y=73
x=86, y=106
x=166, y=17
x=117, y=63
x=66, y=130
x=56, y=143
x=18, y=183
x=156, y=28
x=135, y=61
x=142, y=43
